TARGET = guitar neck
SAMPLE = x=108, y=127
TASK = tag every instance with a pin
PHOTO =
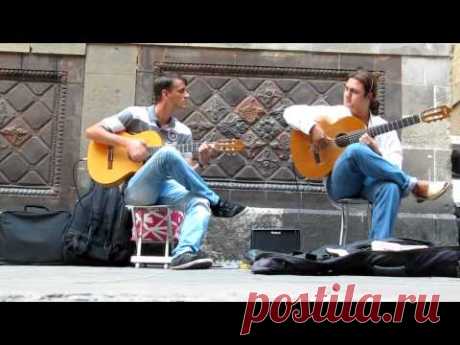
x=378, y=130
x=183, y=148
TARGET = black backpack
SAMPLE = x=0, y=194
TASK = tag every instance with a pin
x=100, y=231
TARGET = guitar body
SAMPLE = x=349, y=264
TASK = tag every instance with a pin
x=315, y=168
x=111, y=165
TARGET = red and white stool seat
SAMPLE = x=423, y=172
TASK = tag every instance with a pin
x=152, y=224
x=155, y=224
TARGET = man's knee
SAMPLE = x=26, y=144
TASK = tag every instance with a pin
x=137, y=198
x=356, y=149
x=168, y=152
x=198, y=202
x=391, y=190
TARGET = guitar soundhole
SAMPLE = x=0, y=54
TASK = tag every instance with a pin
x=341, y=140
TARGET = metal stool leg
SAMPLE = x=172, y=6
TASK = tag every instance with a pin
x=168, y=235
x=344, y=225
x=344, y=206
x=369, y=216
x=139, y=238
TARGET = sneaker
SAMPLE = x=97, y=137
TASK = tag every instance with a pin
x=425, y=190
x=227, y=209
x=191, y=260
x=202, y=254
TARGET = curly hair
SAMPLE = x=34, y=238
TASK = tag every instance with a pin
x=369, y=82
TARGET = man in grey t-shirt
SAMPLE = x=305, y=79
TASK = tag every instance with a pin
x=168, y=177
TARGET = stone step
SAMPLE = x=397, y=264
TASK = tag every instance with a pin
x=229, y=239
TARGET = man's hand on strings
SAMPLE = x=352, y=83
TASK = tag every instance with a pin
x=318, y=138
x=137, y=150
x=205, y=153
x=371, y=142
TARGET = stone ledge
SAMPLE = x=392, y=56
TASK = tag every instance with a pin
x=15, y=47
x=229, y=239
x=415, y=49
x=45, y=48
x=59, y=48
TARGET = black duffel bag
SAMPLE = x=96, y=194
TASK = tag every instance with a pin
x=32, y=237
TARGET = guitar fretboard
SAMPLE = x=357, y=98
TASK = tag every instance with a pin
x=353, y=137
x=183, y=148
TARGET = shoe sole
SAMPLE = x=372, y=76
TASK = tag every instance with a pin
x=246, y=209
x=435, y=196
x=242, y=213
x=195, y=264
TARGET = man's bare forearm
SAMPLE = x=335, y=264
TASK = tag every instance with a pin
x=100, y=135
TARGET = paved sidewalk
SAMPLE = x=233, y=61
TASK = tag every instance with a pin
x=64, y=283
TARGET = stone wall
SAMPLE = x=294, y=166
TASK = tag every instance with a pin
x=417, y=76
x=41, y=97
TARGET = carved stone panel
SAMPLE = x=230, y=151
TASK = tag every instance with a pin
x=32, y=138
x=245, y=102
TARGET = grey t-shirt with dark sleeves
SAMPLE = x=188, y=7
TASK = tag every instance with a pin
x=139, y=119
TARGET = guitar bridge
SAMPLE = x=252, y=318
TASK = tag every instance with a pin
x=317, y=158
x=110, y=158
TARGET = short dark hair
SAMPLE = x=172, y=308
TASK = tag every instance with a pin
x=165, y=83
x=369, y=82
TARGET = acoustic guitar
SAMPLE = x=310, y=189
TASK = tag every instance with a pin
x=316, y=164
x=111, y=165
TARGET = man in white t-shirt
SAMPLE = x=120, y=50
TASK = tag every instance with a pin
x=168, y=177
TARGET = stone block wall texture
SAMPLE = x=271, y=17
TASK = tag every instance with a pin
x=416, y=77
x=102, y=79
x=41, y=98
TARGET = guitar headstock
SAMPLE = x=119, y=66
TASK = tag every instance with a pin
x=435, y=114
x=229, y=145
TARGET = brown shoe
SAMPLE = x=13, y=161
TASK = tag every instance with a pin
x=425, y=190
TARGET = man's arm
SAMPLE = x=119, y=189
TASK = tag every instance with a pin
x=303, y=118
x=104, y=132
x=137, y=149
x=299, y=117
x=101, y=135
x=392, y=149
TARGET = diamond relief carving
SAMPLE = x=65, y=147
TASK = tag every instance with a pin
x=199, y=125
x=6, y=112
x=267, y=163
x=250, y=110
x=281, y=146
x=234, y=92
x=15, y=134
x=303, y=94
x=34, y=150
x=215, y=108
x=21, y=97
x=233, y=126
x=252, y=144
x=269, y=94
x=199, y=91
x=267, y=128
x=37, y=116
x=14, y=167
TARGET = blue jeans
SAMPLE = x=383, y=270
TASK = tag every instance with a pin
x=167, y=178
x=361, y=173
